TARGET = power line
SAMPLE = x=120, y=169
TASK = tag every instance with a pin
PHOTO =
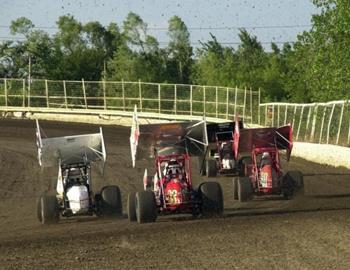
x=202, y=28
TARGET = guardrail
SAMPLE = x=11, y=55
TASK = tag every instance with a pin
x=162, y=98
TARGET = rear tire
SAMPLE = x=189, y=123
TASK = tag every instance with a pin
x=145, y=206
x=110, y=203
x=242, y=166
x=47, y=209
x=212, y=198
x=235, y=188
x=244, y=189
x=202, y=171
x=211, y=169
x=131, y=207
x=297, y=177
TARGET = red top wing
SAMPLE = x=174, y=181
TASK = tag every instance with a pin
x=254, y=138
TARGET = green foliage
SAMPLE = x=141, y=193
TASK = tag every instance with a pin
x=315, y=68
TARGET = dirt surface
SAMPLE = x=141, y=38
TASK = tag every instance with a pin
x=309, y=232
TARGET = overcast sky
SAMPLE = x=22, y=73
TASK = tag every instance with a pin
x=267, y=16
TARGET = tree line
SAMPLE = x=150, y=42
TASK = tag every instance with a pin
x=314, y=68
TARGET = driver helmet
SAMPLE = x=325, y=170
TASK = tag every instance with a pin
x=265, y=155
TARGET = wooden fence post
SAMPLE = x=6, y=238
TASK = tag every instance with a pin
x=278, y=115
x=265, y=115
x=140, y=95
x=24, y=93
x=191, y=95
x=84, y=93
x=329, y=122
x=204, y=101
x=244, y=102
x=235, y=109
x=47, y=94
x=159, y=104
x=5, y=84
x=226, y=102
x=104, y=94
x=175, y=98
x=123, y=95
x=65, y=94
x=294, y=113
x=340, y=122
x=251, y=106
x=259, y=100
x=273, y=115
x=216, y=102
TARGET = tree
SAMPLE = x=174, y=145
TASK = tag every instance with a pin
x=179, y=51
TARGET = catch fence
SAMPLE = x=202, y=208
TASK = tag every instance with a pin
x=314, y=122
x=161, y=98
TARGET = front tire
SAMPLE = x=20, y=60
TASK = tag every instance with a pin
x=212, y=198
x=131, y=207
x=244, y=189
x=145, y=206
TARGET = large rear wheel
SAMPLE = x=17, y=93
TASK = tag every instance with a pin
x=212, y=198
x=244, y=189
x=131, y=207
x=211, y=169
x=47, y=209
x=145, y=206
x=235, y=187
x=110, y=203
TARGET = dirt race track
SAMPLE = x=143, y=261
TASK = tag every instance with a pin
x=310, y=232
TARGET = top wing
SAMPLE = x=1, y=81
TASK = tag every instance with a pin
x=189, y=137
x=249, y=139
x=70, y=149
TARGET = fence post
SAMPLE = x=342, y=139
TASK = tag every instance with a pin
x=175, y=98
x=322, y=124
x=251, y=106
x=340, y=122
x=273, y=115
x=204, y=101
x=65, y=94
x=5, y=82
x=140, y=95
x=47, y=94
x=294, y=113
x=216, y=102
x=104, y=94
x=300, y=119
x=123, y=94
x=84, y=92
x=308, y=122
x=265, y=115
x=235, y=109
x=278, y=115
x=259, y=97
x=191, y=94
x=285, y=115
x=312, y=135
x=24, y=94
x=159, y=106
x=226, y=102
x=244, y=102
x=329, y=122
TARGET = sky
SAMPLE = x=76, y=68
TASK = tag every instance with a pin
x=270, y=20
